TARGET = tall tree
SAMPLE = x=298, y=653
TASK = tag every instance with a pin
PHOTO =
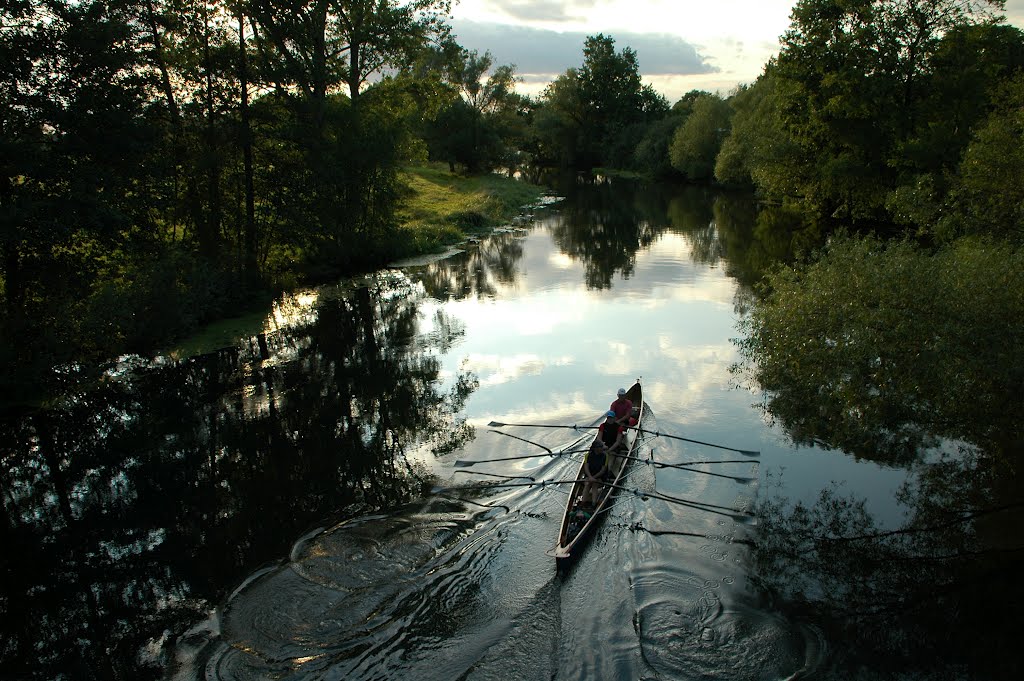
x=613, y=95
x=476, y=126
x=380, y=34
x=851, y=93
x=593, y=105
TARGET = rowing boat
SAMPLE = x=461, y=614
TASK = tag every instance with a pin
x=579, y=521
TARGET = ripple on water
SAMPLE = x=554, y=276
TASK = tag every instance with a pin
x=376, y=593
x=699, y=628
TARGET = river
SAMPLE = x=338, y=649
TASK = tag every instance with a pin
x=287, y=506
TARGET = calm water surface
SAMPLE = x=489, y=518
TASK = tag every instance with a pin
x=269, y=511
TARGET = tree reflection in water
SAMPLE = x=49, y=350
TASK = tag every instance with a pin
x=477, y=271
x=128, y=507
x=904, y=364
x=604, y=225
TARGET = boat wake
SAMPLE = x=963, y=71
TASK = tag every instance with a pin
x=452, y=589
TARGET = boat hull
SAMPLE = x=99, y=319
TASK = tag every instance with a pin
x=576, y=529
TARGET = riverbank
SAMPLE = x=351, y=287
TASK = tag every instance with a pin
x=188, y=305
x=438, y=208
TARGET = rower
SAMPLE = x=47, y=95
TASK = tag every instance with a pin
x=598, y=464
x=623, y=408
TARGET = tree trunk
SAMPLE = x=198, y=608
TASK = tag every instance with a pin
x=209, y=235
x=354, y=71
x=250, y=200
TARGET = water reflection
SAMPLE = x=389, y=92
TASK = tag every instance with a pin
x=121, y=500
x=478, y=271
x=136, y=505
x=604, y=225
x=937, y=595
x=936, y=598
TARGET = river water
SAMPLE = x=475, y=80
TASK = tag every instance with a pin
x=288, y=506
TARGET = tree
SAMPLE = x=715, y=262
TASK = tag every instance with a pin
x=969, y=81
x=379, y=34
x=987, y=195
x=74, y=139
x=558, y=123
x=697, y=141
x=311, y=49
x=588, y=109
x=321, y=44
x=475, y=128
x=852, y=92
x=684, y=105
x=759, y=148
x=879, y=349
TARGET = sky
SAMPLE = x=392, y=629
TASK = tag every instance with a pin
x=681, y=45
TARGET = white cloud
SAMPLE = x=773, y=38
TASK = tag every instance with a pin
x=544, y=51
x=1015, y=12
x=681, y=45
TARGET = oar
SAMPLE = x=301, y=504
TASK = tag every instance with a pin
x=686, y=467
x=637, y=527
x=496, y=475
x=698, y=463
x=737, y=516
x=523, y=439
x=499, y=424
x=465, y=463
x=538, y=483
x=744, y=452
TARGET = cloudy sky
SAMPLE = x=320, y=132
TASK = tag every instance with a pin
x=681, y=45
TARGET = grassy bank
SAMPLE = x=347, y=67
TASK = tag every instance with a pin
x=438, y=208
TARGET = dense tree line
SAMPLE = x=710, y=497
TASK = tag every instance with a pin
x=898, y=114
x=163, y=159
x=901, y=118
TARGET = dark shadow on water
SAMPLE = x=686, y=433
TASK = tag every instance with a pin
x=129, y=509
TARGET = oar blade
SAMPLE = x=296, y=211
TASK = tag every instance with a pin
x=748, y=520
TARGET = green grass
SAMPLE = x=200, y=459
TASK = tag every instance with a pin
x=439, y=208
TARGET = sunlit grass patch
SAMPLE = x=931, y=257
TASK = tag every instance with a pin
x=438, y=208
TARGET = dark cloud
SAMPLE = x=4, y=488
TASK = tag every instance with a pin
x=535, y=50
x=542, y=10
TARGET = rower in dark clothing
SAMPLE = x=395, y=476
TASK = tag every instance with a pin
x=599, y=459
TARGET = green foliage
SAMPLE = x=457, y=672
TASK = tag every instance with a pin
x=588, y=116
x=684, y=106
x=879, y=348
x=698, y=140
x=160, y=157
x=557, y=131
x=480, y=123
x=987, y=196
x=854, y=93
x=651, y=153
x=757, y=150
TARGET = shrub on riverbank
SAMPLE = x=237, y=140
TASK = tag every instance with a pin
x=881, y=348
